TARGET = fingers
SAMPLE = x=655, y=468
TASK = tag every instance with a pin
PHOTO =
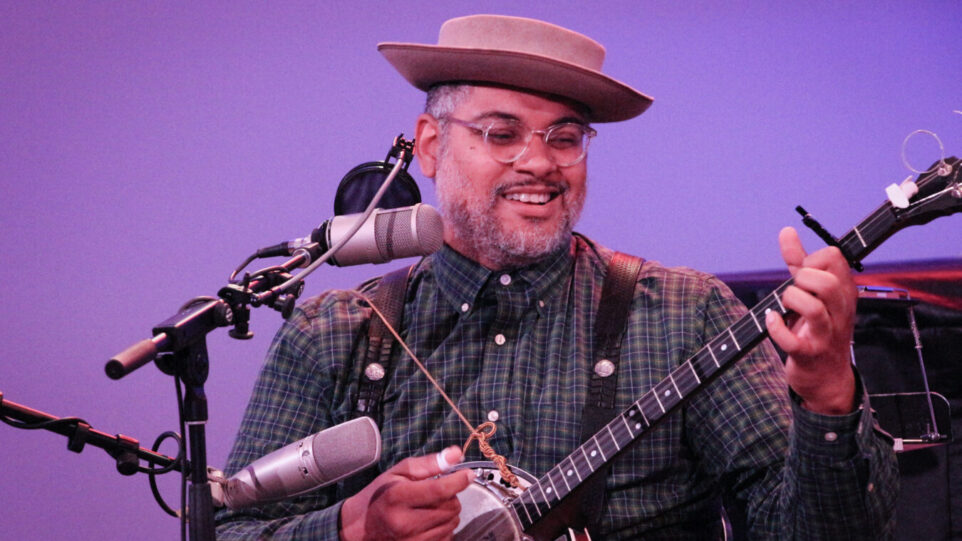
x=818, y=336
x=792, y=251
x=780, y=333
x=823, y=284
x=407, y=508
x=408, y=500
x=424, y=467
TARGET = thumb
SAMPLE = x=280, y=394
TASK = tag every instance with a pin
x=424, y=467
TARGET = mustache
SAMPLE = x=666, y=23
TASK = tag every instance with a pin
x=561, y=186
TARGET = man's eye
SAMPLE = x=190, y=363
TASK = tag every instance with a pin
x=565, y=137
x=503, y=135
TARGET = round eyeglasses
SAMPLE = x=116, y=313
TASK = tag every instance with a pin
x=508, y=139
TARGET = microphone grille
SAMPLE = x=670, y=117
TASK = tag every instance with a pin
x=347, y=448
x=408, y=231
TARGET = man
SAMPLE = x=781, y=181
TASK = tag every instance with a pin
x=503, y=318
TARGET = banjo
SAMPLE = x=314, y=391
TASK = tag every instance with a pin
x=493, y=510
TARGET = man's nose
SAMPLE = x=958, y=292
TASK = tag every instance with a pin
x=536, y=158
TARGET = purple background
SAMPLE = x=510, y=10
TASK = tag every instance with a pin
x=147, y=148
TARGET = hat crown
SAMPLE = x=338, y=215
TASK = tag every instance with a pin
x=527, y=36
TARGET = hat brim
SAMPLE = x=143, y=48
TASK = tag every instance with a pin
x=424, y=66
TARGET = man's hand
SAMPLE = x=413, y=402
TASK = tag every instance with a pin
x=407, y=502
x=818, y=339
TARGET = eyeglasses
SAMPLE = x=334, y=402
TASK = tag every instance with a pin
x=507, y=139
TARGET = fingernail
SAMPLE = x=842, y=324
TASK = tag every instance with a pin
x=443, y=463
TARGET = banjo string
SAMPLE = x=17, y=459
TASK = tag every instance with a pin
x=481, y=433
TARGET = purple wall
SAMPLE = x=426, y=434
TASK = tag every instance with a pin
x=146, y=149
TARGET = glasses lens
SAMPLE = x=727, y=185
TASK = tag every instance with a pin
x=568, y=143
x=506, y=140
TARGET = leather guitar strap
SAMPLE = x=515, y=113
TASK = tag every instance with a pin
x=377, y=365
x=610, y=323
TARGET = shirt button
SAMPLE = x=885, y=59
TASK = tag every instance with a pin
x=831, y=436
x=493, y=415
x=499, y=339
x=465, y=307
x=505, y=279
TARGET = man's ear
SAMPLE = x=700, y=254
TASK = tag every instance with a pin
x=426, y=144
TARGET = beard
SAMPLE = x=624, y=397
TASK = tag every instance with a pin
x=471, y=217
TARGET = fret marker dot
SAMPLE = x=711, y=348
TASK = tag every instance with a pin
x=593, y=453
x=637, y=426
x=631, y=413
x=767, y=310
x=724, y=347
x=548, y=490
x=668, y=392
x=569, y=473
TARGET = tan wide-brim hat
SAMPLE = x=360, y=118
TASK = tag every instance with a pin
x=522, y=53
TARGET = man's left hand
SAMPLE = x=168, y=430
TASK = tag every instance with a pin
x=818, y=335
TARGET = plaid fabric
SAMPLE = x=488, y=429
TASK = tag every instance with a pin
x=517, y=346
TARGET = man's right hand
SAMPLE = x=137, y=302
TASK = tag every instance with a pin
x=407, y=501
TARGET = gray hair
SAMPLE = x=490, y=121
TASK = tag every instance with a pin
x=444, y=98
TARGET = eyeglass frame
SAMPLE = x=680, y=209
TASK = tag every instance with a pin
x=588, y=133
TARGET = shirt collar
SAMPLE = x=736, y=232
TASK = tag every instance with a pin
x=461, y=279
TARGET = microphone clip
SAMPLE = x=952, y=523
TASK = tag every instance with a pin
x=401, y=145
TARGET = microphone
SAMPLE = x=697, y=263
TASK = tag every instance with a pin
x=307, y=464
x=387, y=234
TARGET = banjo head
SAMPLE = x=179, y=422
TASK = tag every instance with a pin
x=484, y=511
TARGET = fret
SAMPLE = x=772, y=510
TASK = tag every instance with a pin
x=779, y=301
x=613, y=438
x=598, y=447
x=730, y=333
x=574, y=469
x=852, y=245
x=708, y=347
x=755, y=319
x=859, y=235
x=564, y=477
x=524, y=506
x=659, y=402
x=544, y=498
x=534, y=502
x=628, y=426
x=693, y=372
x=587, y=460
x=641, y=411
x=553, y=488
x=672, y=378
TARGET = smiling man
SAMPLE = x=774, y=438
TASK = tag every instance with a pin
x=506, y=197
x=504, y=317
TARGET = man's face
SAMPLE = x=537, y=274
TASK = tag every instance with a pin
x=507, y=215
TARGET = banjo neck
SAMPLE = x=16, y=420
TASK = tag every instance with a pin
x=940, y=194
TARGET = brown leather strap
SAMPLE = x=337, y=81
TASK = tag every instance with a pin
x=376, y=371
x=610, y=323
x=376, y=366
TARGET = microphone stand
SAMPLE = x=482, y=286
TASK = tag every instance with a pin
x=179, y=346
x=125, y=450
x=179, y=349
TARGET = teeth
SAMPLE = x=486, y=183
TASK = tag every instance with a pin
x=534, y=198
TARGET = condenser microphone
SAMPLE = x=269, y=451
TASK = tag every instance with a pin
x=386, y=235
x=307, y=464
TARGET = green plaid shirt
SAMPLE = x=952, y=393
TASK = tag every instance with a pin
x=517, y=347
